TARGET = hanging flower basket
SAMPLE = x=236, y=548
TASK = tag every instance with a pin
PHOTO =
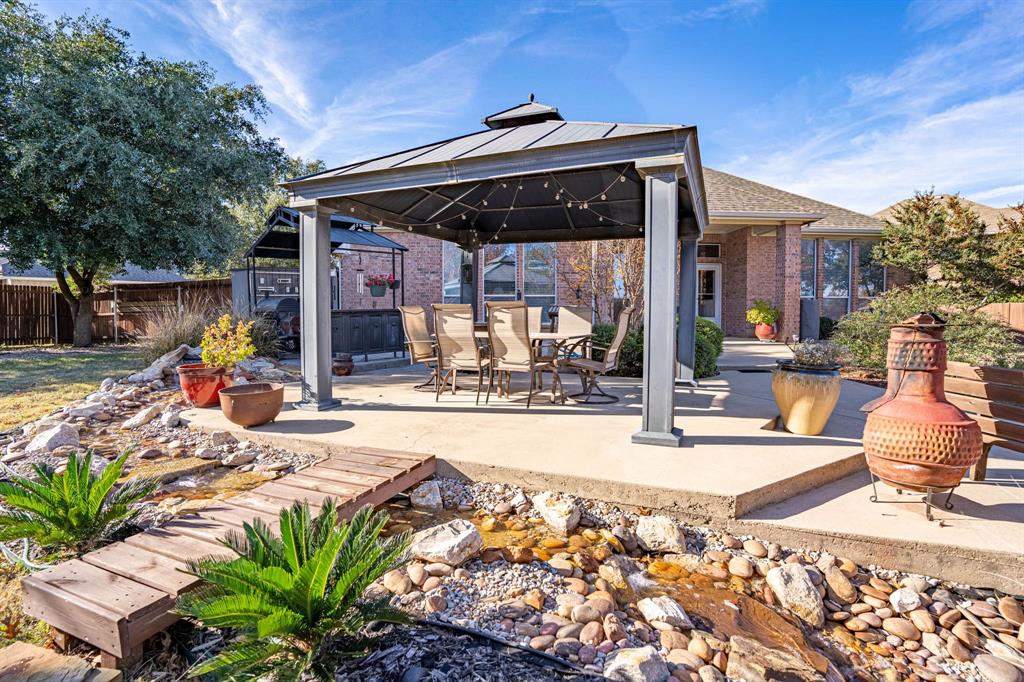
x=379, y=284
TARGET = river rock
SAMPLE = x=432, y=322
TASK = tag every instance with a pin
x=450, y=543
x=670, y=639
x=741, y=566
x=903, y=629
x=664, y=609
x=560, y=512
x=142, y=417
x=905, y=600
x=156, y=369
x=86, y=410
x=592, y=633
x=795, y=591
x=842, y=588
x=221, y=438
x=208, y=453
x=49, y=440
x=996, y=669
x=170, y=418
x=585, y=613
x=237, y=459
x=614, y=630
x=752, y=662
x=755, y=548
x=642, y=664
x=397, y=582
x=427, y=495
x=660, y=534
x=709, y=673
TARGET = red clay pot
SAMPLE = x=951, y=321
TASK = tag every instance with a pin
x=914, y=439
x=201, y=383
x=764, y=332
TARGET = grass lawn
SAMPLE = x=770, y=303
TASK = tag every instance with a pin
x=34, y=382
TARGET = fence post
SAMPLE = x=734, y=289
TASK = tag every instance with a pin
x=179, y=299
x=116, y=335
x=56, y=317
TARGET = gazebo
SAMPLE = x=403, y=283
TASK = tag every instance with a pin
x=528, y=176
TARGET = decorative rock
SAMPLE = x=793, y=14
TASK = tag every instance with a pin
x=614, y=630
x=1011, y=610
x=709, y=673
x=903, y=629
x=996, y=669
x=967, y=633
x=796, y=592
x=450, y=543
x=561, y=566
x=542, y=642
x=561, y=513
x=842, y=588
x=567, y=646
x=397, y=582
x=592, y=633
x=642, y=664
x=685, y=658
x=752, y=662
x=904, y=600
x=755, y=548
x=957, y=650
x=922, y=620
x=53, y=438
x=209, y=453
x=431, y=583
x=585, y=613
x=150, y=453
x=438, y=569
x=416, y=573
x=219, y=438
x=740, y=566
x=170, y=418
x=660, y=534
x=142, y=417
x=237, y=459
x=427, y=495
x=664, y=609
x=670, y=639
x=435, y=603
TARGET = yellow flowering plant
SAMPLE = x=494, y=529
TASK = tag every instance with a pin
x=225, y=345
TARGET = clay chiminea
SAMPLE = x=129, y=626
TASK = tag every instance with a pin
x=914, y=439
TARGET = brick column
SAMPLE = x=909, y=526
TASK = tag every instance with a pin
x=787, y=280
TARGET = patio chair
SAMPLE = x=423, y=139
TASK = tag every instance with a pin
x=534, y=318
x=573, y=320
x=511, y=351
x=456, y=346
x=589, y=369
x=418, y=342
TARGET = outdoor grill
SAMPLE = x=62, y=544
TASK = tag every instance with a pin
x=285, y=310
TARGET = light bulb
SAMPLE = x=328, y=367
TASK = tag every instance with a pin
x=622, y=178
x=603, y=197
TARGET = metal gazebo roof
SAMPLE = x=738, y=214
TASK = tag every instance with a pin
x=529, y=176
x=284, y=243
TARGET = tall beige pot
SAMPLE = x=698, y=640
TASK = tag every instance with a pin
x=806, y=396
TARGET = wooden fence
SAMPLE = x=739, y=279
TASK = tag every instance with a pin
x=32, y=315
x=1010, y=313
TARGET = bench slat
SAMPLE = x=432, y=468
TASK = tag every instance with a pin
x=986, y=390
x=987, y=408
x=996, y=375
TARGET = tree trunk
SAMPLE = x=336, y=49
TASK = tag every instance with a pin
x=83, y=321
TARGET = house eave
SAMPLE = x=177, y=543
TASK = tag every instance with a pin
x=852, y=232
x=762, y=217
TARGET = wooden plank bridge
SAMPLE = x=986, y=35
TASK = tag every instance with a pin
x=117, y=597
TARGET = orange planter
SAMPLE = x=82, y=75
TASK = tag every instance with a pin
x=764, y=332
x=201, y=383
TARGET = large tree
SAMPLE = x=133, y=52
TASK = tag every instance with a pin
x=115, y=158
x=943, y=240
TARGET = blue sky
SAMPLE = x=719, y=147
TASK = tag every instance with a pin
x=858, y=103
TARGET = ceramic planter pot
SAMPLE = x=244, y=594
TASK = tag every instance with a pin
x=805, y=395
x=252, y=404
x=201, y=383
x=378, y=290
x=342, y=365
x=764, y=332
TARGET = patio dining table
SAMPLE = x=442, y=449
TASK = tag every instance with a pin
x=558, y=340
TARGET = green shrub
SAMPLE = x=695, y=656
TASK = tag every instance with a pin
x=972, y=335
x=762, y=312
x=73, y=510
x=708, y=348
x=294, y=600
x=826, y=327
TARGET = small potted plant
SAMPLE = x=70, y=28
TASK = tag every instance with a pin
x=379, y=284
x=763, y=316
x=223, y=346
x=806, y=387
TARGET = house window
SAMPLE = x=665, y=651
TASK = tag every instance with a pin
x=451, y=272
x=871, y=275
x=539, y=276
x=500, y=264
x=808, y=268
x=836, y=266
x=709, y=251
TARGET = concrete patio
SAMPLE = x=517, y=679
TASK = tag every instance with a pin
x=730, y=471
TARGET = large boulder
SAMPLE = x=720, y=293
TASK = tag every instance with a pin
x=156, y=370
x=664, y=610
x=560, y=512
x=642, y=664
x=427, y=495
x=53, y=438
x=752, y=662
x=660, y=534
x=796, y=592
x=450, y=543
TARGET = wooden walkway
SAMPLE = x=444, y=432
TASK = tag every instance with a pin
x=117, y=597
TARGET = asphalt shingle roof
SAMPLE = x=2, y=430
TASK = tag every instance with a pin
x=131, y=273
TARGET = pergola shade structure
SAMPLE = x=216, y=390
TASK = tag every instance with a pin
x=531, y=176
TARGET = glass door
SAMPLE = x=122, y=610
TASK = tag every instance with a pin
x=709, y=291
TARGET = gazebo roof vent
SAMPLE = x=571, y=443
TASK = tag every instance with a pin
x=523, y=114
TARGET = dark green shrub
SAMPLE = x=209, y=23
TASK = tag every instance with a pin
x=706, y=359
x=708, y=348
x=826, y=327
x=972, y=335
x=295, y=600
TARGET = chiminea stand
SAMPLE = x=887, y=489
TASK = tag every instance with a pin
x=926, y=500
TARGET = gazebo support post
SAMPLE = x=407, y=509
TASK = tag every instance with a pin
x=661, y=232
x=686, y=342
x=315, y=307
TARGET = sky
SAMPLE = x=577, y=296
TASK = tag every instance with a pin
x=858, y=103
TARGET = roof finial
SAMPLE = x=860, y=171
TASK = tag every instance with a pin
x=531, y=96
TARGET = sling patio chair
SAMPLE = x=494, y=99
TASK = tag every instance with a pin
x=456, y=346
x=511, y=351
x=575, y=321
x=419, y=343
x=589, y=369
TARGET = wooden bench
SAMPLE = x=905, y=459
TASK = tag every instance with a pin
x=993, y=397
x=117, y=597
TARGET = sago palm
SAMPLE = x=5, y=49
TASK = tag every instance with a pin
x=74, y=509
x=295, y=599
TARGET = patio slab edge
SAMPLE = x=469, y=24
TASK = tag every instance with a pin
x=777, y=491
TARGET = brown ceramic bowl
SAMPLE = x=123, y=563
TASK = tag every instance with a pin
x=252, y=404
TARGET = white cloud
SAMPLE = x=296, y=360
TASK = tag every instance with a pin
x=950, y=116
